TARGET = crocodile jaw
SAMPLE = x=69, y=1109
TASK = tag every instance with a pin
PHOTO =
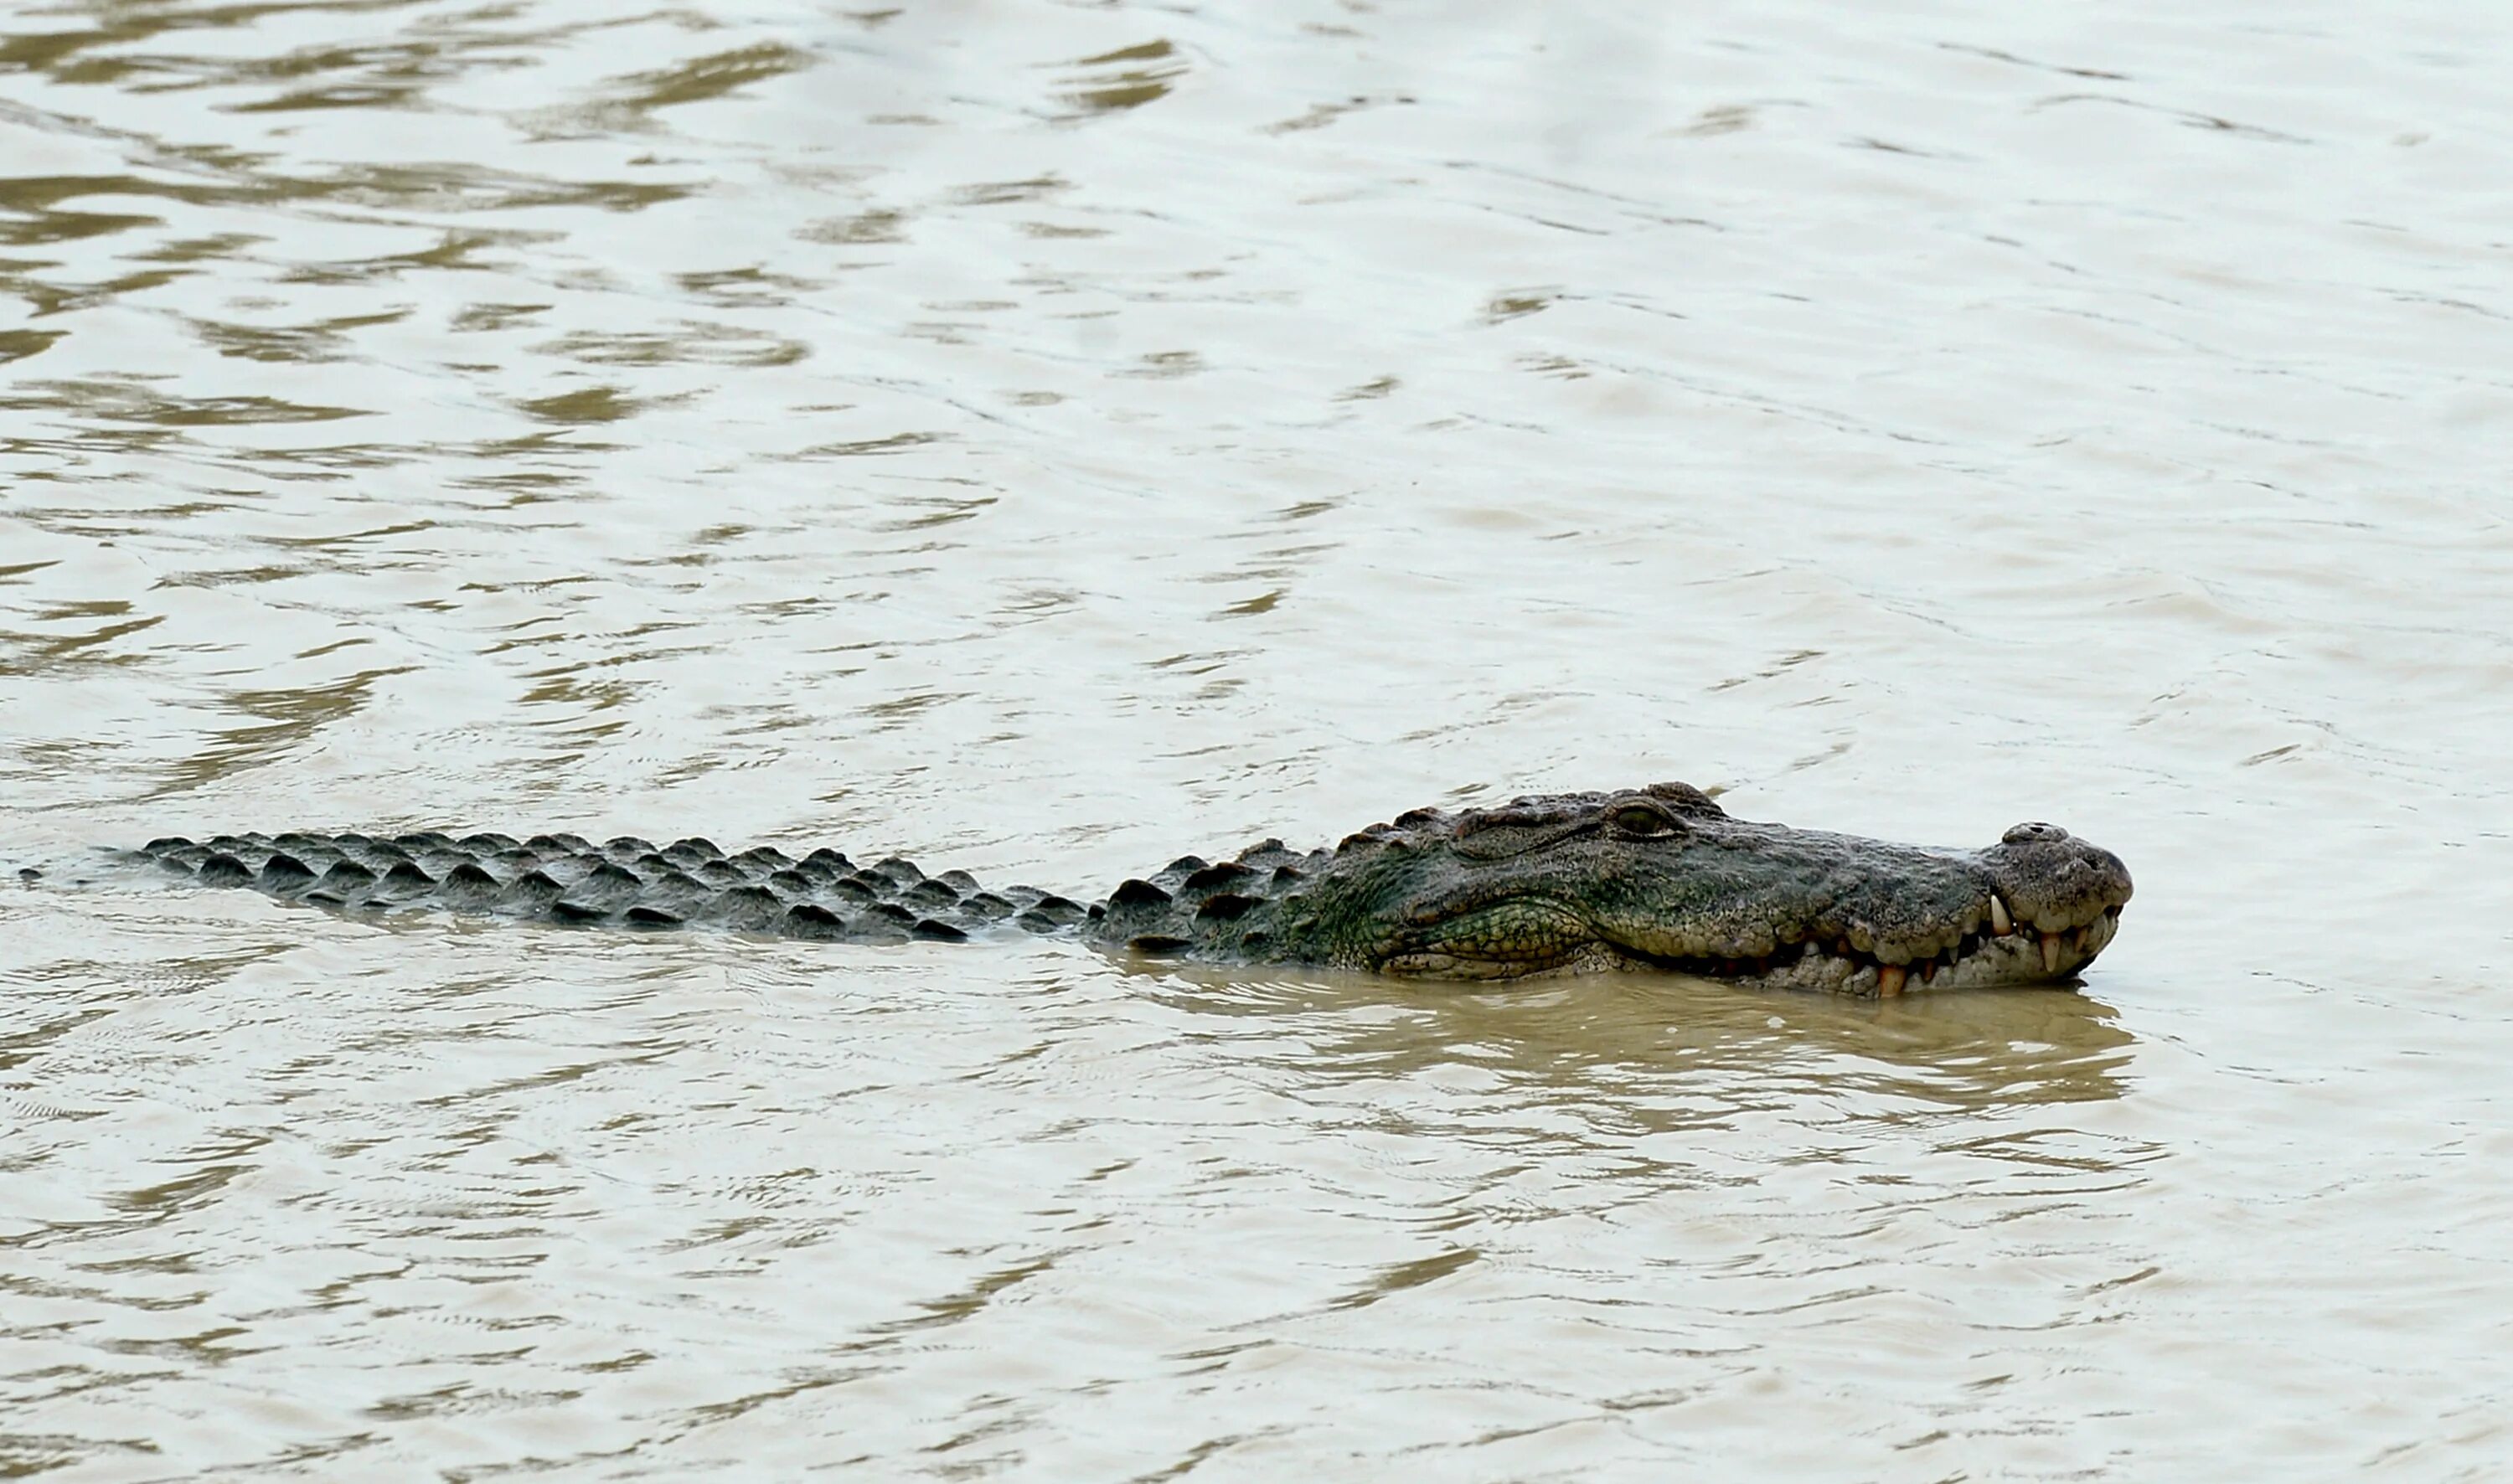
x=2018, y=958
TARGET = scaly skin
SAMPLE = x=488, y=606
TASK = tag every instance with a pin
x=1658, y=877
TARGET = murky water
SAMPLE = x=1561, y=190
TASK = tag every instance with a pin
x=1049, y=438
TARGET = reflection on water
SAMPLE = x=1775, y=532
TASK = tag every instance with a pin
x=1127, y=78
x=1695, y=1045
x=283, y=721
x=1044, y=439
x=624, y=1170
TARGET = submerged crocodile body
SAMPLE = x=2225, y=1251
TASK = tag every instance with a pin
x=1656, y=878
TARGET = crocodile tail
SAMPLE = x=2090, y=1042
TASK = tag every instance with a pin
x=622, y=882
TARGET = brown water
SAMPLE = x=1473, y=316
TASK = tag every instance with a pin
x=1049, y=439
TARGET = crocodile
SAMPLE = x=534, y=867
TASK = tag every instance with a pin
x=1654, y=878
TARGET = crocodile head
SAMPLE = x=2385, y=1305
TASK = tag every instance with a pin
x=1663, y=878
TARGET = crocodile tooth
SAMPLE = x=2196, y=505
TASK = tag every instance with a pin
x=2049, y=953
x=1888, y=980
x=1999, y=921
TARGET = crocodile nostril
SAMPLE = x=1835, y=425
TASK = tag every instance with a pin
x=2027, y=833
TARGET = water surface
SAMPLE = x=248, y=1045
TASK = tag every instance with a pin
x=1050, y=439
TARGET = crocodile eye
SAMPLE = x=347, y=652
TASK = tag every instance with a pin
x=1641, y=820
